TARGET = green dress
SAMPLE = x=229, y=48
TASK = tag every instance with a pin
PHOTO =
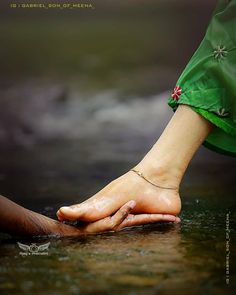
x=208, y=83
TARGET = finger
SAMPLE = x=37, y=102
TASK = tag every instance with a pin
x=89, y=211
x=110, y=223
x=141, y=219
x=122, y=213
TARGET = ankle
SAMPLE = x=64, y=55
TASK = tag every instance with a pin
x=160, y=173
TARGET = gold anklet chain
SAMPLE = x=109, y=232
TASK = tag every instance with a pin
x=141, y=175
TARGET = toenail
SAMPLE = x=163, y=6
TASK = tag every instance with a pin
x=177, y=220
x=66, y=208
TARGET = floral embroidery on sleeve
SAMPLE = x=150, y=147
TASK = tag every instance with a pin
x=176, y=93
x=220, y=52
x=222, y=112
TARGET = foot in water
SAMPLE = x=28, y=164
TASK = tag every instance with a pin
x=130, y=186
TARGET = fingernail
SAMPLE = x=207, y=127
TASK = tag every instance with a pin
x=132, y=204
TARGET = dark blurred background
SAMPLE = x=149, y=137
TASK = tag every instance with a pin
x=57, y=64
x=83, y=94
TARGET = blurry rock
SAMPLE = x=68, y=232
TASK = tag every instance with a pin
x=34, y=112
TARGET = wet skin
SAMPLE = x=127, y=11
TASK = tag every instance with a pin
x=17, y=220
x=149, y=199
x=165, y=165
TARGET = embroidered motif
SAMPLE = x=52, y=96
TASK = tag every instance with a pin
x=222, y=112
x=176, y=93
x=220, y=52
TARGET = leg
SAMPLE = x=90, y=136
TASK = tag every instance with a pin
x=165, y=165
x=168, y=159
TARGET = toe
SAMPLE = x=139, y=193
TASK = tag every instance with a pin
x=177, y=219
x=69, y=213
x=59, y=216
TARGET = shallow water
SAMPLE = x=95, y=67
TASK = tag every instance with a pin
x=160, y=258
x=144, y=260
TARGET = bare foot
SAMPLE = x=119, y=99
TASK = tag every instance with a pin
x=130, y=186
x=164, y=165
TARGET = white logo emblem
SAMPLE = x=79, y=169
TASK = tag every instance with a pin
x=33, y=249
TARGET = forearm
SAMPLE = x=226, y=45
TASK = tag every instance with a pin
x=17, y=220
